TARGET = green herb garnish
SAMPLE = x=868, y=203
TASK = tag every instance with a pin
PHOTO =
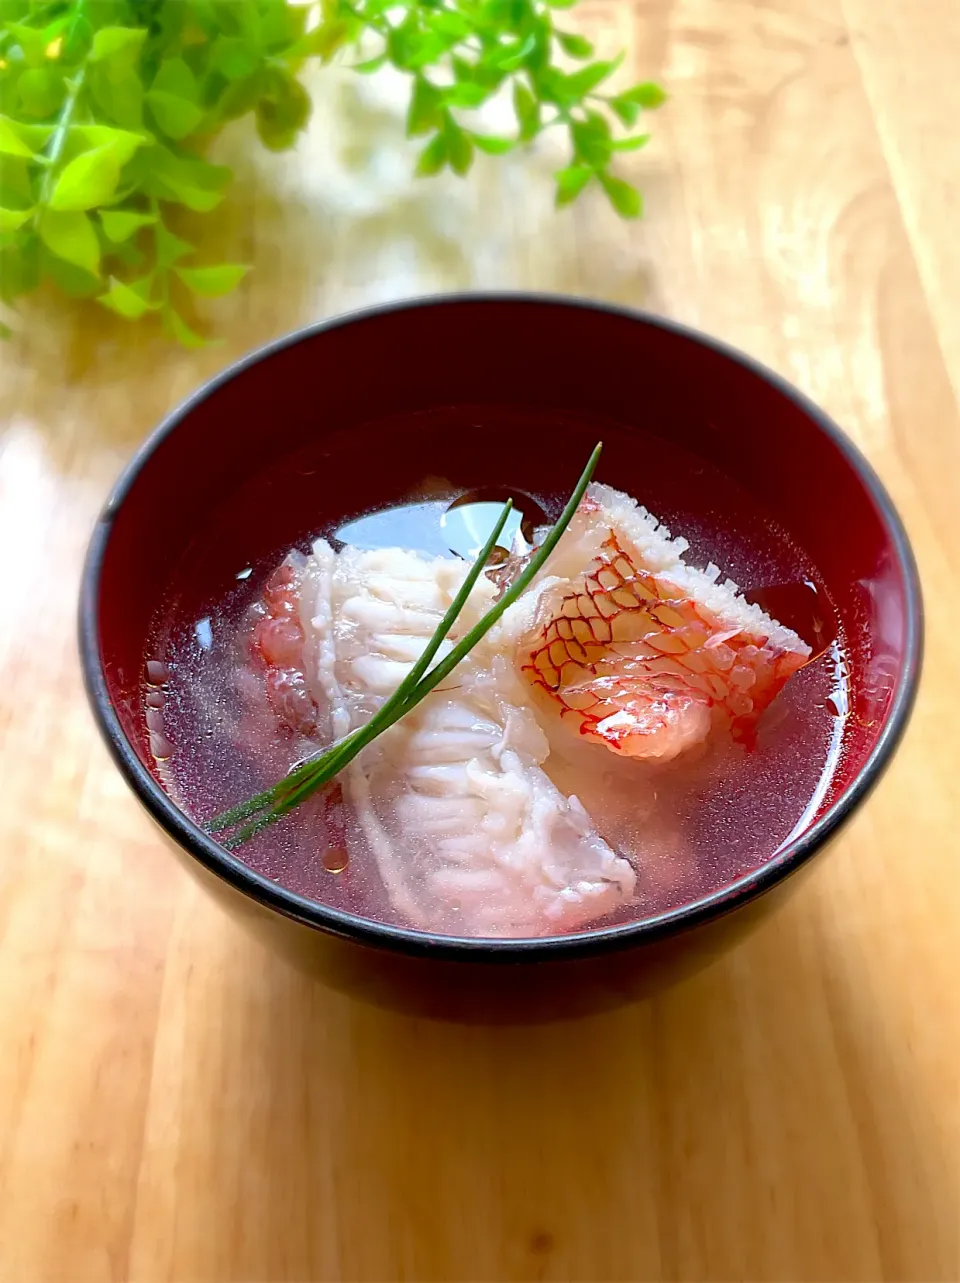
x=318, y=769
x=107, y=107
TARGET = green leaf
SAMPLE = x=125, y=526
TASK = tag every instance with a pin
x=11, y=219
x=528, y=111
x=465, y=94
x=324, y=41
x=561, y=4
x=173, y=98
x=74, y=281
x=647, y=95
x=212, y=281
x=35, y=136
x=181, y=331
x=120, y=224
x=41, y=92
x=118, y=44
x=19, y=266
x=241, y=96
x=629, y=104
x=128, y=253
x=454, y=25
x=459, y=147
x=631, y=144
x=370, y=65
x=282, y=111
x=510, y=57
x=575, y=46
x=32, y=41
x=582, y=82
x=78, y=39
x=118, y=94
x=18, y=186
x=11, y=144
x=88, y=181
x=627, y=111
x=281, y=26
x=175, y=116
x=175, y=78
x=542, y=54
x=624, y=198
x=185, y=179
x=54, y=29
x=245, y=16
x=234, y=58
x=493, y=145
x=127, y=301
x=426, y=50
x=464, y=70
x=410, y=48
x=433, y=157
x=198, y=28
x=122, y=142
x=592, y=140
x=5, y=331
x=170, y=248
x=424, y=113
x=70, y=235
x=571, y=182
x=199, y=199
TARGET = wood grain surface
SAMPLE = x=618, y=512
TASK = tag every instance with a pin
x=175, y=1104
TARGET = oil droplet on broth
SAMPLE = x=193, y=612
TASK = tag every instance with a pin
x=157, y=672
x=157, y=676
x=335, y=859
x=160, y=746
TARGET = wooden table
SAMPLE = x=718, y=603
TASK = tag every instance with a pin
x=177, y=1105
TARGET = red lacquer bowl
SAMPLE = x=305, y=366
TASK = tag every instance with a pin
x=493, y=391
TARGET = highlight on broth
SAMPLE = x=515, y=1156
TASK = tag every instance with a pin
x=524, y=746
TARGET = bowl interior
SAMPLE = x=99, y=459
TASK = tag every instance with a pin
x=487, y=393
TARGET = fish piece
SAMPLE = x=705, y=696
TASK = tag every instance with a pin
x=469, y=834
x=277, y=643
x=639, y=652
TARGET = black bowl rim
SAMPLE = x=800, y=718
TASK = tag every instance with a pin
x=270, y=895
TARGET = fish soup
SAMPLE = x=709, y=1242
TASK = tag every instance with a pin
x=659, y=713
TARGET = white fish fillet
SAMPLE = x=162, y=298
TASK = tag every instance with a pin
x=470, y=835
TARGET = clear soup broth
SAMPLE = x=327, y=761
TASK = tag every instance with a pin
x=689, y=826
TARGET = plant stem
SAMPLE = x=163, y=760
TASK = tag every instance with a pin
x=60, y=133
x=59, y=138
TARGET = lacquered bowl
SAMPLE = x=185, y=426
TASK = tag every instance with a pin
x=495, y=390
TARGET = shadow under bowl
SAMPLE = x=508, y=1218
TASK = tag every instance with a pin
x=488, y=391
